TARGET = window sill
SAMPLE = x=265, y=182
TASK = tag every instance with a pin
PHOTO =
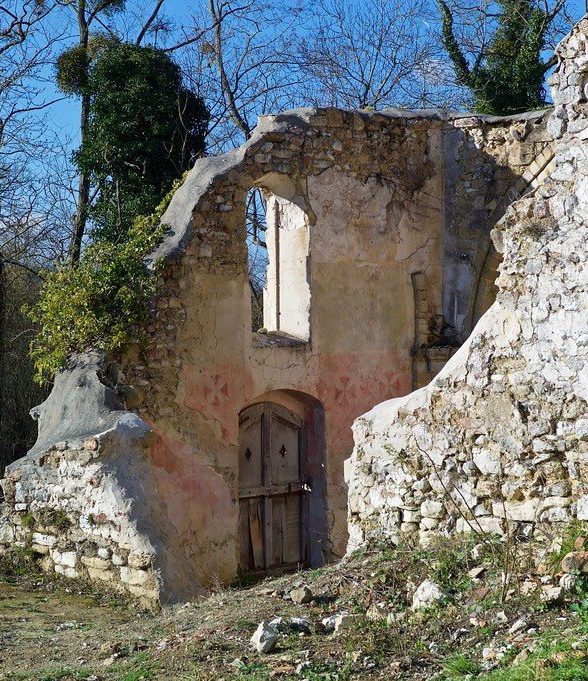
x=277, y=339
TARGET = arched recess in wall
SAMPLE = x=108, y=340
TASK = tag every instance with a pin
x=282, y=488
x=286, y=306
x=486, y=289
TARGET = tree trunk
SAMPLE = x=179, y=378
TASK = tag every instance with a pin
x=3, y=459
x=81, y=215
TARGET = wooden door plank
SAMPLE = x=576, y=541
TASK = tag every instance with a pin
x=292, y=529
x=268, y=530
x=256, y=532
x=250, y=450
x=287, y=415
x=245, y=553
x=267, y=480
x=271, y=490
x=285, y=454
x=277, y=530
x=304, y=497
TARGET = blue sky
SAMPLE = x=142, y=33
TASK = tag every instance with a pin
x=64, y=115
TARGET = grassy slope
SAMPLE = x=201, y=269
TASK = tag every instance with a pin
x=47, y=633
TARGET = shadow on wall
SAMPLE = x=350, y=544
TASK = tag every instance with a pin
x=486, y=170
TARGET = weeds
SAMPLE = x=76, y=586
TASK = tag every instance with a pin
x=18, y=561
x=254, y=671
x=55, y=517
x=324, y=671
x=27, y=521
x=575, y=530
x=460, y=665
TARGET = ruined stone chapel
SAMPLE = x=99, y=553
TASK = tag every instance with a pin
x=215, y=447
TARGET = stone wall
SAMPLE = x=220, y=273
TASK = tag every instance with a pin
x=86, y=506
x=501, y=435
x=397, y=264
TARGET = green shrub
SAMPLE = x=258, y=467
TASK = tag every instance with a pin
x=96, y=304
x=459, y=665
x=27, y=520
x=575, y=530
x=55, y=517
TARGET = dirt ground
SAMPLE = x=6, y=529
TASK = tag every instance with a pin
x=55, y=629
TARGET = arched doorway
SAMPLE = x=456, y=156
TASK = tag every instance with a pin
x=281, y=483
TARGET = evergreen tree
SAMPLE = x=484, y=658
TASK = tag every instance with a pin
x=72, y=74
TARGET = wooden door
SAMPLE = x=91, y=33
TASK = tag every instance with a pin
x=272, y=503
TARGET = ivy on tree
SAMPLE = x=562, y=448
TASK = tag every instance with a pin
x=144, y=130
x=507, y=75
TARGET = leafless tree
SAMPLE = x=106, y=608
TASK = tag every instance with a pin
x=31, y=193
x=243, y=64
x=369, y=54
x=30, y=202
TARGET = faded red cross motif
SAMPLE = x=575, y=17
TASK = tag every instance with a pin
x=344, y=390
x=217, y=394
x=215, y=390
x=390, y=384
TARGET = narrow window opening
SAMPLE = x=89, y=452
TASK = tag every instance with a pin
x=286, y=299
x=278, y=250
x=257, y=253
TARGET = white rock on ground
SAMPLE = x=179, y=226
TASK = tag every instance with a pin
x=265, y=637
x=333, y=622
x=568, y=582
x=279, y=624
x=550, y=595
x=300, y=624
x=427, y=594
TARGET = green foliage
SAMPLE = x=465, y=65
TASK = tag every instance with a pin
x=252, y=671
x=458, y=666
x=109, y=7
x=72, y=70
x=64, y=674
x=581, y=590
x=98, y=303
x=27, y=520
x=452, y=563
x=55, y=517
x=324, y=671
x=507, y=76
x=73, y=65
x=145, y=129
x=535, y=668
x=137, y=668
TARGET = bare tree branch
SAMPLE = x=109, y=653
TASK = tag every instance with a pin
x=149, y=22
